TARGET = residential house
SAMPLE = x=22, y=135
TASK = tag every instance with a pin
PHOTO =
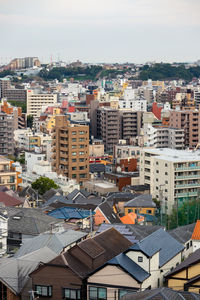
x=57, y=241
x=118, y=200
x=15, y=282
x=132, y=218
x=105, y=214
x=25, y=223
x=67, y=274
x=186, y=276
x=141, y=204
x=140, y=267
x=196, y=236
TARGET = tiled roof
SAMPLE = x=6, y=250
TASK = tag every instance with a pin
x=162, y=293
x=69, y=213
x=143, y=200
x=9, y=200
x=196, y=232
x=130, y=218
x=109, y=213
x=182, y=233
x=160, y=241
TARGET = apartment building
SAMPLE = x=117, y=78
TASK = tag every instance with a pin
x=197, y=97
x=70, y=147
x=25, y=139
x=6, y=134
x=163, y=137
x=35, y=102
x=5, y=84
x=131, y=124
x=108, y=127
x=138, y=104
x=8, y=175
x=173, y=175
x=189, y=120
x=16, y=95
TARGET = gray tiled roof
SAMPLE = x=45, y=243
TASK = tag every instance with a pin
x=182, y=233
x=109, y=213
x=28, y=221
x=144, y=200
x=14, y=271
x=161, y=294
x=54, y=241
x=160, y=241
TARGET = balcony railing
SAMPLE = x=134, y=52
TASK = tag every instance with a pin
x=191, y=194
x=188, y=168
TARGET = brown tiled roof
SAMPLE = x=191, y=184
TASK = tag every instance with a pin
x=9, y=200
x=91, y=247
x=196, y=232
x=105, y=246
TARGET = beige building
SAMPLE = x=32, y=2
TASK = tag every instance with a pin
x=70, y=147
x=8, y=176
x=173, y=175
x=35, y=102
x=96, y=148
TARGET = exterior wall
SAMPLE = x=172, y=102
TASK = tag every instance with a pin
x=3, y=234
x=35, y=102
x=33, y=158
x=141, y=210
x=195, y=289
x=106, y=278
x=145, y=264
x=96, y=150
x=70, y=150
x=99, y=218
x=8, y=177
x=58, y=277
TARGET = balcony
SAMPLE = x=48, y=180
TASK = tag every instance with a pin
x=187, y=177
x=190, y=194
x=181, y=186
x=188, y=168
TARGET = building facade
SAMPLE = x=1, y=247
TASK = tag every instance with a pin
x=35, y=102
x=70, y=147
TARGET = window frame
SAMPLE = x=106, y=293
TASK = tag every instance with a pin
x=97, y=293
x=77, y=291
x=49, y=290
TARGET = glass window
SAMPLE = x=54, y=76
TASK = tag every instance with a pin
x=71, y=293
x=73, y=159
x=43, y=290
x=97, y=293
x=140, y=259
x=82, y=146
x=74, y=140
x=81, y=159
x=74, y=153
x=73, y=146
x=81, y=153
x=73, y=132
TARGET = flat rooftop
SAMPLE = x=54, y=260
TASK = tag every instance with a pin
x=175, y=155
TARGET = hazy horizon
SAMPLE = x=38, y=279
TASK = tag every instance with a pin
x=94, y=31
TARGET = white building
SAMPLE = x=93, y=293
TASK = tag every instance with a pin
x=32, y=159
x=35, y=102
x=173, y=175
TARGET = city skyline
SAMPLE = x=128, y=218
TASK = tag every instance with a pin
x=106, y=31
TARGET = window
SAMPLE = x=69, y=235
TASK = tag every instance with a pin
x=166, y=165
x=190, y=243
x=130, y=210
x=157, y=171
x=81, y=132
x=81, y=139
x=166, y=182
x=148, y=211
x=71, y=294
x=157, y=179
x=82, y=146
x=166, y=173
x=74, y=140
x=81, y=168
x=73, y=132
x=166, y=190
x=81, y=153
x=97, y=293
x=73, y=159
x=43, y=290
x=156, y=163
x=81, y=159
x=74, y=168
x=187, y=245
x=73, y=175
x=73, y=146
x=140, y=259
x=74, y=153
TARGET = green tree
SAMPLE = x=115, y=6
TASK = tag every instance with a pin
x=43, y=184
x=30, y=121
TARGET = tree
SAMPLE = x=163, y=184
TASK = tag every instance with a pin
x=43, y=184
x=30, y=121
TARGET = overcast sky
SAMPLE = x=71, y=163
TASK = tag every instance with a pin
x=101, y=30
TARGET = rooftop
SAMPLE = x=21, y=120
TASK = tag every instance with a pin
x=175, y=155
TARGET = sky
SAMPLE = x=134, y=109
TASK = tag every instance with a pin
x=100, y=30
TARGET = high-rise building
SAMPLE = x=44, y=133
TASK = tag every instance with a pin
x=108, y=127
x=189, y=120
x=173, y=175
x=6, y=134
x=5, y=84
x=70, y=147
x=35, y=102
x=131, y=124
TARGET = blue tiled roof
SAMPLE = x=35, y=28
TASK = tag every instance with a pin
x=69, y=213
x=129, y=266
x=160, y=241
